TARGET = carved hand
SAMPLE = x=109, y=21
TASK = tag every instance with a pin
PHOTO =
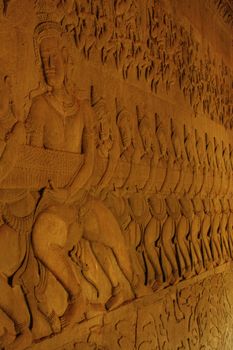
x=60, y=194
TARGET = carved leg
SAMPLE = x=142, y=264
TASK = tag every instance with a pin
x=23, y=340
x=101, y=226
x=43, y=305
x=230, y=245
x=7, y=330
x=153, y=256
x=208, y=260
x=180, y=260
x=197, y=249
x=225, y=246
x=216, y=250
x=194, y=258
x=121, y=289
x=13, y=303
x=183, y=246
x=170, y=259
x=49, y=238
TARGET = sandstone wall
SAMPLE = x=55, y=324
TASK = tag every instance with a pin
x=116, y=171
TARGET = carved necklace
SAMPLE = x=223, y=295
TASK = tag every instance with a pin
x=63, y=108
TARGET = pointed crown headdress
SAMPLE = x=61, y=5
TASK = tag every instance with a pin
x=45, y=30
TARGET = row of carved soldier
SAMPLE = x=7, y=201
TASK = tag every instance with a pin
x=173, y=237
x=165, y=155
x=164, y=54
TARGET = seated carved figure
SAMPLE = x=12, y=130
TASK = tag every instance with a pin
x=59, y=121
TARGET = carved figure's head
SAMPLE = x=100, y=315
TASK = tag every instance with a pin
x=162, y=141
x=51, y=53
x=186, y=206
x=157, y=205
x=123, y=123
x=198, y=205
x=138, y=205
x=104, y=130
x=5, y=95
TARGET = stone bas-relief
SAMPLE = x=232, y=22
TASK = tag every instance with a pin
x=111, y=203
x=176, y=318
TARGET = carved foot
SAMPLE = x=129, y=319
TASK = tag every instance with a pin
x=22, y=341
x=157, y=285
x=142, y=290
x=7, y=339
x=174, y=278
x=210, y=265
x=199, y=269
x=94, y=309
x=189, y=274
x=226, y=258
x=54, y=322
x=74, y=312
x=118, y=298
x=219, y=261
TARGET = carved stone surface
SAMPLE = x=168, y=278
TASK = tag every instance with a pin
x=116, y=163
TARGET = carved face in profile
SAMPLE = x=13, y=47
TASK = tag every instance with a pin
x=125, y=131
x=146, y=134
x=162, y=142
x=4, y=96
x=52, y=62
x=157, y=205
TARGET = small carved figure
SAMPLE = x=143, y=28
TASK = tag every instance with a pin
x=215, y=237
x=125, y=130
x=223, y=229
x=230, y=226
x=140, y=217
x=196, y=227
x=162, y=140
x=177, y=159
x=150, y=148
x=107, y=144
x=183, y=237
x=152, y=238
x=205, y=229
x=169, y=257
